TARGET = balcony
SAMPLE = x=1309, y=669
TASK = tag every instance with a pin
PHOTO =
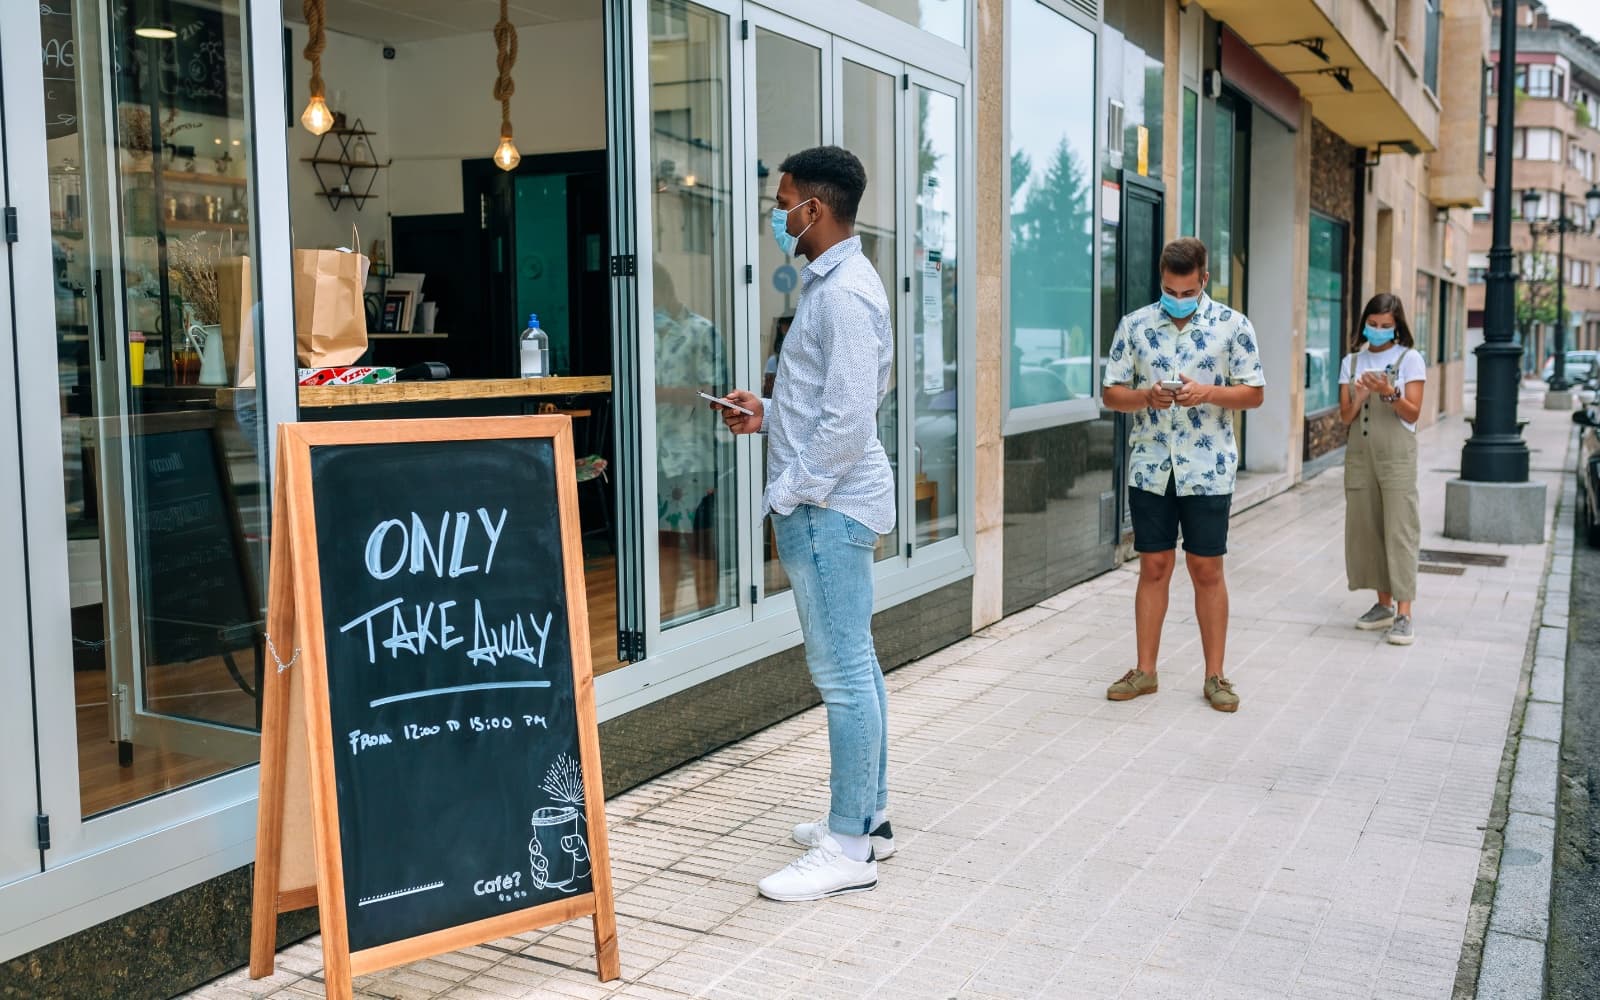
x=1379, y=99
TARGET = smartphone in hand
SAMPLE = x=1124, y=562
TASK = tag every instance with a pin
x=718, y=401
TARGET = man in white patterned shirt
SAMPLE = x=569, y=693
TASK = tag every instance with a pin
x=1180, y=366
x=830, y=492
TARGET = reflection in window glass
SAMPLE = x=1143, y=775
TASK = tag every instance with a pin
x=1325, y=322
x=869, y=132
x=945, y=18
x=1191, y=163
x=165, y=470
x=936, y=270
x=1051, y=143
x=691, y=216
x=788, y=95
x=1422, y=315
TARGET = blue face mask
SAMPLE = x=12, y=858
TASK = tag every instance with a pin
x=1179, y=308
x=1377, y=336
x=780, y=230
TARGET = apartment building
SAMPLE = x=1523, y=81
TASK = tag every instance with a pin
x=1556, y=149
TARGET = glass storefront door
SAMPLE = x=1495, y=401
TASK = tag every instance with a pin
x=790, y=111
x=19, y=790
x=159, y=530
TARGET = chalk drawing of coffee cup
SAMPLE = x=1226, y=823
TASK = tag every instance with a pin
x=558, y=852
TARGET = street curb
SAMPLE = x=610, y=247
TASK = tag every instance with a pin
x=1509, y=921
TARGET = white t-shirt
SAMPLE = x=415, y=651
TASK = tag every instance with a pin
x=1412, y=368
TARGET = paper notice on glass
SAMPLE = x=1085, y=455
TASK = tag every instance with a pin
x=932, y=325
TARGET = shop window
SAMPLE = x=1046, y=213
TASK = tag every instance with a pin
x=1051, y=83
x=1422, y=315
x=936, y=266
x=946, y=19
x=1191, y=160
x=691, y=210
x=788, y=98
x=1326, y=295
x=163, y=440
x=869, y=132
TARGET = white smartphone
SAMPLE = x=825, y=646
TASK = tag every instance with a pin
x=723, y=402
x=1172, y=386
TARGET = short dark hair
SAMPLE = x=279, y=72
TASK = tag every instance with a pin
x=1383, y=302
x=1183, y=256
x=832, y=175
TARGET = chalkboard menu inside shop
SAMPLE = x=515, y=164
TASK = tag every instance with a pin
x=199, y=71
x=194, y=570
x=58, y=58
x=432, y=731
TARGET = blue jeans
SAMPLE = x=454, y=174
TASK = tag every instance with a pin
x=829, y=558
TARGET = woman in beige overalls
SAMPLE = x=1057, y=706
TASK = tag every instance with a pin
x=1380, y=397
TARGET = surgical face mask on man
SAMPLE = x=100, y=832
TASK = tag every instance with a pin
x=1179, y=308
x=780, y=229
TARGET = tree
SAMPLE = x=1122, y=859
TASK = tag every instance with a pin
x=1052, y=239
x=1536, y=293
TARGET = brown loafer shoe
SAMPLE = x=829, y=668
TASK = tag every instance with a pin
x=1133, y=684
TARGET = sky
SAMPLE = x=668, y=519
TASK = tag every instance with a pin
x=1583, y=13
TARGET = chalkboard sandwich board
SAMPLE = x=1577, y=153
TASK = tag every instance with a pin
x=430, y=763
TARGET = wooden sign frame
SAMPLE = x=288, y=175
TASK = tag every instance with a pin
x=299, y=862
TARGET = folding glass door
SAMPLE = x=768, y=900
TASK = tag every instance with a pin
x=145, y=453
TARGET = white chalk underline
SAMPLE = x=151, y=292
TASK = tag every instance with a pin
x=453, y=690
x=385, y=897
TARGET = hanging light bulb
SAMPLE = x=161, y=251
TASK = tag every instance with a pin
x=506, y=156
x=316, y=118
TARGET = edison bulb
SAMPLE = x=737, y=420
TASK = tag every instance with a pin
x=506, y=156
x=317, y=118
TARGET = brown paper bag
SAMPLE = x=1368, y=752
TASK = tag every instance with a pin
x=234, y=284
x=330, y=312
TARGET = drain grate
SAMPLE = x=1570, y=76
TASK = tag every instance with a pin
x=1441, y=570
x=1461, y=558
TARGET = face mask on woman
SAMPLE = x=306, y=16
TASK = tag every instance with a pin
x=1378, y=336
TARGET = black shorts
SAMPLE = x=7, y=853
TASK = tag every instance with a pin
x=1157, y=517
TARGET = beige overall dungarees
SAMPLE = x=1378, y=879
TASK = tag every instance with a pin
x=1383, y=520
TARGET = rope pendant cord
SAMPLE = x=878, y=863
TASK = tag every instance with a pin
x=505, y=42
x=316, y=41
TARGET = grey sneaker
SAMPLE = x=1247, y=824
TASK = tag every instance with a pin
x=1400, y=633
x=1380, y=616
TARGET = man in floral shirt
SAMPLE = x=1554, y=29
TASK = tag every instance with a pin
x=1183, y=455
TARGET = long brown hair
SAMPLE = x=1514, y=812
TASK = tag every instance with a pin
x=1383, y=302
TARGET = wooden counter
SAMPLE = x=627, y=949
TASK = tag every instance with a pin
x=453, y=390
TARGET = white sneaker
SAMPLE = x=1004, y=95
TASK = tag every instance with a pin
x=819, y=873
x=812, y=834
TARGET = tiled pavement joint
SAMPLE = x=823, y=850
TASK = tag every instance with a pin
x=1503, y=956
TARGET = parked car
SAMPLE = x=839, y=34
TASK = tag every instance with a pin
x=1578, y=363
x=1588, y=505
x=1588, y=384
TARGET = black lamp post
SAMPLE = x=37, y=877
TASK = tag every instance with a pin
x=1496, y=452
x=1561, y=226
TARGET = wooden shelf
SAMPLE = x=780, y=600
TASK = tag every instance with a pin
x=350, y=131
x=191, y=176
x=453, y=389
